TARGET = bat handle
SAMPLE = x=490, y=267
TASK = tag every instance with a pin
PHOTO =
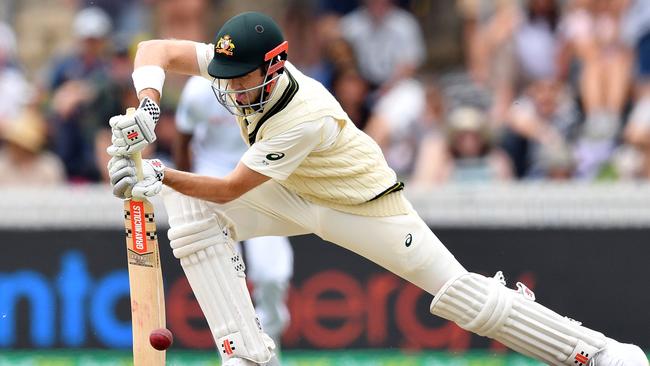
x=137, y=158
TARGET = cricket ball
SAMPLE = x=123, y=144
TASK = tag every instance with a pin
x=161, y=339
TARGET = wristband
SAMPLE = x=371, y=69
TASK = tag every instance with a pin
x=148, y=77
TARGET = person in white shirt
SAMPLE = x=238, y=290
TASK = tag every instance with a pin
x=387, y=41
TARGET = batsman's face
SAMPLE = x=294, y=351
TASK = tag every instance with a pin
x=246, y=87
x=245, y=95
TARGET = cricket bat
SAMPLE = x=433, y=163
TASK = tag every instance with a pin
x=145, y=275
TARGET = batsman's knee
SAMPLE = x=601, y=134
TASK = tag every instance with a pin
x=194, y=225
x=192, y=237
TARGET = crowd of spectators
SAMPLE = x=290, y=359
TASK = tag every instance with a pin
x=544, y=89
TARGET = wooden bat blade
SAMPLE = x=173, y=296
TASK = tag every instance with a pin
x=145, y=280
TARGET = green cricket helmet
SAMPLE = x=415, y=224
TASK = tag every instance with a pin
x=245, y=43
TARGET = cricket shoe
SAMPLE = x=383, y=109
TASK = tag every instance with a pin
x=619, y=354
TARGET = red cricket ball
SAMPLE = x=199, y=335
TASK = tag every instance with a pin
x=161, y=339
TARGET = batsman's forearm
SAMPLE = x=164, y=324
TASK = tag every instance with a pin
x=169, y=55
x=207, y=188
x=172, y=55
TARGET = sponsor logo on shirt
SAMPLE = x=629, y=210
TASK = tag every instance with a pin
x=275, y=156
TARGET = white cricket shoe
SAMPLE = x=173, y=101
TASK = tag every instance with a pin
x=619, y=354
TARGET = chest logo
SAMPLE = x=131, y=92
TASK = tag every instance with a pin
x=225, y=45
x=275, y=156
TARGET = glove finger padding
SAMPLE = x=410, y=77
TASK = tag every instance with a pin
x=119, y=162
x=120, y=148
x=124, y=173
x=114, y=120
x=117, y=141
x=123, y=188
x=121, y=171
x=147, y=188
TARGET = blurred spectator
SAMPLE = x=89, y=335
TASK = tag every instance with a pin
x=633, y=161
x=536, y=40
x=493, y=57
x=22, y=158
x=208, y=139
x=16, y=92
x=91, y=28
x=465, y=154
x=302, y=29
x=182, y=19
x=44, y=29
x=316, y=44
x=351, y=91
x=393, y=124
x=636, y=34
x=76, y=82
x=474, y=14
x=337, y=56
x=592, y=30
x=637, y=131
x=544, y=118
x=130, y=18
x=387, y=42
x=337, y=6
x=516, y=45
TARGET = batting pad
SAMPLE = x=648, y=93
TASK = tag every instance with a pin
x=486, y=307
x=215, y=272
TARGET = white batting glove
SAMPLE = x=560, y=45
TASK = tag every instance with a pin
x=121, y=170
x=134, y=132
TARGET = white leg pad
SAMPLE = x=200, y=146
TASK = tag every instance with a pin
x=486, y=307
x=215, y=271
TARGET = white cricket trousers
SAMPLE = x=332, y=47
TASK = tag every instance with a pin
x=403, y=244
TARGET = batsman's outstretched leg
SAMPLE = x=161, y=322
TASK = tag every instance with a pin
x=486, y=307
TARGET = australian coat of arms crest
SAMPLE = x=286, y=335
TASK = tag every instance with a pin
x=224, y=45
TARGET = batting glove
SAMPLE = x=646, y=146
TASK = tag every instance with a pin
x=132, y=133
x=124, y=181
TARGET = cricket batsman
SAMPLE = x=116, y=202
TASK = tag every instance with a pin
x=308, y=169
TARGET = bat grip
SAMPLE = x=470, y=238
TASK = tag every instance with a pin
x=137, y=157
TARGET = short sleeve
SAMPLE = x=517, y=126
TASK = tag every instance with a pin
x=280, y=155
x=204, y=54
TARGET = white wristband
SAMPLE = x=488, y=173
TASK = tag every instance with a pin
x=148, y=77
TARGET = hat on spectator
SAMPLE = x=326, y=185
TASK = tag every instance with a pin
x=467, y=119
x=91, y=22
x=27, y=131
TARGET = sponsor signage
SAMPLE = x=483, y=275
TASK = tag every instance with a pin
x=138, y=227
x=70, y=289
